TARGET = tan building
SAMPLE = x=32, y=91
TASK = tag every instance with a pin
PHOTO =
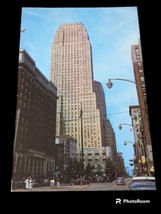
x=72, y=73
x=96, y=156
x=35, y=121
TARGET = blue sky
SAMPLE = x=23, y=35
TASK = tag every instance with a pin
x=111, y=31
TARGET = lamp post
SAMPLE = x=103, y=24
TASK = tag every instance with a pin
x=110, y=84
x=128, y=142
x=121, y=124
x=144, y=138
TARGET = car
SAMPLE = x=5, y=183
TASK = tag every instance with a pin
x=79, y=181
x=143, y=178
x=143, y=185
x=120, y=181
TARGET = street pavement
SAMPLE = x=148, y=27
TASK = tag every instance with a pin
x=106, y=186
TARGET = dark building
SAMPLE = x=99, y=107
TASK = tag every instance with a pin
x=138, y=67
x=35, y=121
x=121, y=170
x=108, y=135
x=66, y=149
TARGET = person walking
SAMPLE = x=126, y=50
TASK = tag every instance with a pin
x=30, y=183
x=27, y=183
x=52, y=183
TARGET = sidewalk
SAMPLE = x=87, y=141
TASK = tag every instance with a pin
x=62, y=187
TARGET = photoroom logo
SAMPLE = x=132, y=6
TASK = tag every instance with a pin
x=131, y=201
x=118, y=200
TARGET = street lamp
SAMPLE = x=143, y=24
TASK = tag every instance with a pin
x=128, y=142
x=121, y=124
x=110, y=84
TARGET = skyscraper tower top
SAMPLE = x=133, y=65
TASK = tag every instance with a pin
x=73, y=32
x=78, y=25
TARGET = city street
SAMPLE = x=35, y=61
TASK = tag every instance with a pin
x=106, y=186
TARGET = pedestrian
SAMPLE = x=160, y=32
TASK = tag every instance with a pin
x=27, y=183
x=12, y=183
x=58, y=182
x=52, y=183
x=30, y=183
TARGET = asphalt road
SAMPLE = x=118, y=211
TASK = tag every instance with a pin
x=106, y=186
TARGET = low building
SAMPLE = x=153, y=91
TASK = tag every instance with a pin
x=95, y=155
x=66, y=149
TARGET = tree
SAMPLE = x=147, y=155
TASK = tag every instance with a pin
x=88, y=169
x=110, y=169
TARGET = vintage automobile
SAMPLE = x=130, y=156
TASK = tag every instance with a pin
x=143, y=183
x=143, y=178
x=79, y=181
x=120, y=181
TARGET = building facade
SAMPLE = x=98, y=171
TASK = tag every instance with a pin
x=66, y=150
x=72, y=73
x=140, y=167
x=111, y=140
x=101, y=105
x=138, y=66
x=96, y=156
x=108, y=135
x=34, y=153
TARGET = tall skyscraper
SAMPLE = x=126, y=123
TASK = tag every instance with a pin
x=72, y=73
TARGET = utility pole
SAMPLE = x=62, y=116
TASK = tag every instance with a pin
x=82, y=152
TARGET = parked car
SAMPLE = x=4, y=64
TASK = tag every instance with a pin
x=143, y=185
x=120, y=181
x=143, y=178
x=78, y=181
